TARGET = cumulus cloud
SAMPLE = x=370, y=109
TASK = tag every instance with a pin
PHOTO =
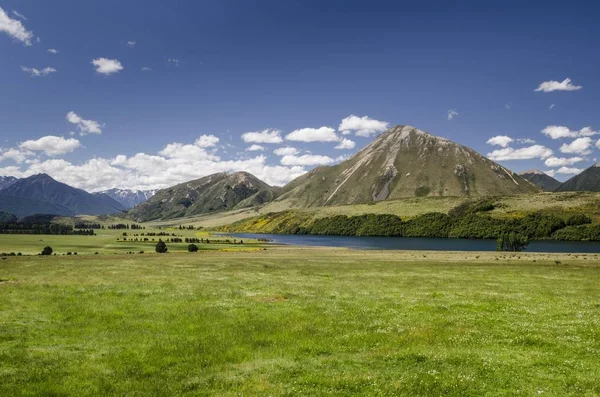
x=264, y=136
x=552, y=85
x=562, y=161
x=452, y=114
x=568, y=170
x=558, y=131
x=306, y=160
x=107, y=66
x=131, y=44
x=52, y=51
x=500, y=140
x=207, y=141
x=525, y=140
x=255, y=148
x=524, y=153
x=16, y=155
x=84, y=126
x=346, y=144
x=14, y=28
x=550, y=172
x=322, y=134
x=362, y=126
x=146, y=69
x=174, y=61
x=286, y=151
x=578, y=146
x=37, y=72
x=51, y=145
x=552, y=106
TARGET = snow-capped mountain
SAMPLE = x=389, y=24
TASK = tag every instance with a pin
x=128, y=198
x=6, y=181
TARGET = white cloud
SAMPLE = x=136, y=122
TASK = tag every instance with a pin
x=107, y=66
x=306, y=160
x=207, y=141
x=528, y=141
x=362, y=126
x=550, y=173
x=174, y=61
x=146, y=69
x=500, y=140
x=51, y=145
x=265, y=136
x=255, y=148
x=562, y=161
x=37, y=72
x=286, y=151
x=557, y=132
x=19, y=15
x=567, y=170
x=552, y=106
x=322, y=134
x=507, y=106
x=346, y=144
x=552, y=85
x=524, y=153
x=84, y=126
x=14, y=28
x=52, y=51
x=452, y=114
x=579, y=146
x=131, y=44
x=16, y=155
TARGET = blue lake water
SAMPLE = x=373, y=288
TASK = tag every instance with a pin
x=429, y=244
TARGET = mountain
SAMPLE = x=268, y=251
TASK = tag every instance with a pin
x=6, y=181
x=541, y=180
x=403, y=162
x=42, y=194
x=128, y=198
x=588, y=181
x=217, y=192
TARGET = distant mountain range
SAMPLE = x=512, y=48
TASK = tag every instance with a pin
x=41, y=194
x=588, y=180
x=541, y=180
x=128, y=198
x=402, y=162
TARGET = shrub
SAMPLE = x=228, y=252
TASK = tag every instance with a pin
x=161, y=247
x=512, y=242
x=192, y=248
x=576, y=220
x=47, y=250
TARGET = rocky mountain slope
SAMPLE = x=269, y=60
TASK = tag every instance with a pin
x=212, y=193
x=6, y=181
x=404, y=162
x=541, y=180
x=42, y=194
x=587, y=181
x=127, y=197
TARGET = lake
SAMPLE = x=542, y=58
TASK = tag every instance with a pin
x=429, y=244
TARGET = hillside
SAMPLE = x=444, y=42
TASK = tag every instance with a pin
x=6, y=181
x=404, y=162
x=587, y=181
x=541, y=180
x=42, y=194
x=212, y=193
x=126, y=197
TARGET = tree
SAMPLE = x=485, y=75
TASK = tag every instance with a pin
x=512, y=242
x=161, y=247
x=47, y=250
x=192, y=248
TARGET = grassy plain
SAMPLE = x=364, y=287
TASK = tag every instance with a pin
x=291, y=321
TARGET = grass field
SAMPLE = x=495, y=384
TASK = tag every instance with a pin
x=289, y=321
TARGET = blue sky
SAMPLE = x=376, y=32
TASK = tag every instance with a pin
x=220, y=69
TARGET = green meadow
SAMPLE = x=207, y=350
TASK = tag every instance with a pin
x=291, y=321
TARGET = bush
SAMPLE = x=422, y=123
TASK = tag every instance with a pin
x=512, y=242
x=161, y=247
x=576, y=220
x=47, y=250
x=192, y=248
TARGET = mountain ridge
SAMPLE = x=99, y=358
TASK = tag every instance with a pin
x=541, y=180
